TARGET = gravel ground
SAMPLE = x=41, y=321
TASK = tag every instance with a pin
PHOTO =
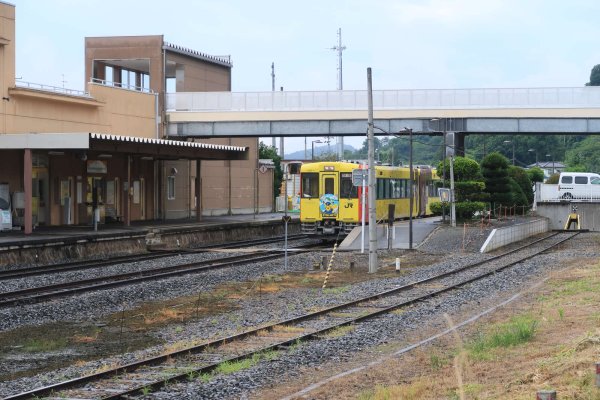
x=289, y=303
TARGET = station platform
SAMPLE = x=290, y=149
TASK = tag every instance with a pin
x=46, y=245
x=422, y=228
x=48, y=235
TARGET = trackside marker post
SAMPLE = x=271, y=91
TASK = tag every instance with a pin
x=397, y=264
x=546, y=395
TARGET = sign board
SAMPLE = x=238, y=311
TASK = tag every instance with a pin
x=5, y=220
x=444, y=194
x=96, y=167
x=358, y=175
x=263, y=169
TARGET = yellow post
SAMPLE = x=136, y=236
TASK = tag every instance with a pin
x=329, y=266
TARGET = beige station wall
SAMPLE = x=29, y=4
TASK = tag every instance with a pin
x=109, y=110
x=7, y=47
x=127, y=112
x=228, y=186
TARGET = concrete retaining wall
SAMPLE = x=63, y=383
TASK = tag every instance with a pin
x=86, y=247
x=558, y=214
x=510, y=234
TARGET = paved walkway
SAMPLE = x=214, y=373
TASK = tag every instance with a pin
x=422, y=228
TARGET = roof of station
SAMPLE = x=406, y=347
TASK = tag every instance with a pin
x=158, y=148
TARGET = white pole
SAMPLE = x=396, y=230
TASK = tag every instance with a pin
x=452, y=205
x=364, y=198
x=372, y=181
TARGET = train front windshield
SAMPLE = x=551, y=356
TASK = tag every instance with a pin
x=310, y=184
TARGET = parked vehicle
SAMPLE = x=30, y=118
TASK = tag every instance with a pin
x=579, y=186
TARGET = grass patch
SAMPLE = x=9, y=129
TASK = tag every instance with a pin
x=339, y=331
x=415, y=391
x=516, y=331
x=40, y=345
x=230, y=367
x=336, y=290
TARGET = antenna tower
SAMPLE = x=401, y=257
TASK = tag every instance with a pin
x=340, y=48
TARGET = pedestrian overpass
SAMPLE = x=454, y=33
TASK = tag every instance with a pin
x=519, y=111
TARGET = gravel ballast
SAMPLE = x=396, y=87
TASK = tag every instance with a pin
x=289, y=303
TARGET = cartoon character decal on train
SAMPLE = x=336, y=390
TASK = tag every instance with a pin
x=329, y=205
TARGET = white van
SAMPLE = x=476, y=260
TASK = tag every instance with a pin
x=579, y=186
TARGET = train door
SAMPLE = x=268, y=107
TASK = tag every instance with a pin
x=95, y=197
x=424, y=176
x=329, y=201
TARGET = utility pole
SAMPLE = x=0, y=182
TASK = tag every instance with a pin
x=372, y=177
x=273, y=90
x=340, y=48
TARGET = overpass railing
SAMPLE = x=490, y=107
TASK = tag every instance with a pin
x=577, y=97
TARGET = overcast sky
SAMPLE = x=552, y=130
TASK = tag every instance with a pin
x=409, y=44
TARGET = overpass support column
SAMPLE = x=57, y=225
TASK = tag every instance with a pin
x=455, y=142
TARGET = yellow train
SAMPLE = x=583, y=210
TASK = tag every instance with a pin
x=331, y=204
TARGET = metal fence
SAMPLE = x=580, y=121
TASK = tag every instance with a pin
x=577, y=97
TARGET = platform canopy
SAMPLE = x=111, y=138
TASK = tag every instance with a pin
x=115, y=144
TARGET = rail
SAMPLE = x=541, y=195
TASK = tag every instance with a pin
x=147, y=375
x=574, y=97
x=121, y=85
x=53, y=89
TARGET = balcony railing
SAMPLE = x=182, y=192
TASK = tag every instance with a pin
x=578, y=97
x=53, y=89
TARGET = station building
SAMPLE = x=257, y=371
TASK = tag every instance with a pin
x=102, y=155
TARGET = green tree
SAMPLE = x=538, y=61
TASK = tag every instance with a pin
x=270, y=152
x=468, y=186
x=494, y=169
x=519, y=175
x=594, y=76
x=585, y=156
x=535, y=174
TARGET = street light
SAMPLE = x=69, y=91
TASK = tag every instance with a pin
x=536, y=159
x=550, y=155
x=312, y=152
x=513, y=149
x=443, y=162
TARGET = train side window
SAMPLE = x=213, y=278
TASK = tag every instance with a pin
x=581, y=180
x=379, y=188
x=566, y=179
x=595, y=181
x=347, y=188
x=310, y=184
x=329, y=186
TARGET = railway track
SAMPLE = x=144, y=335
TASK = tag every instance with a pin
x=139, y=378
x=157, y=254
x=43, y=293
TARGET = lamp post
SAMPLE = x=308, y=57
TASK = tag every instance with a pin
x=312, y=152
x=551, y=156
x=438, y=120
x=536, y=159
x=410, y=189
x=513, y=149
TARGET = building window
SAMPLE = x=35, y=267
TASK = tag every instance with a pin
x=171, y=187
